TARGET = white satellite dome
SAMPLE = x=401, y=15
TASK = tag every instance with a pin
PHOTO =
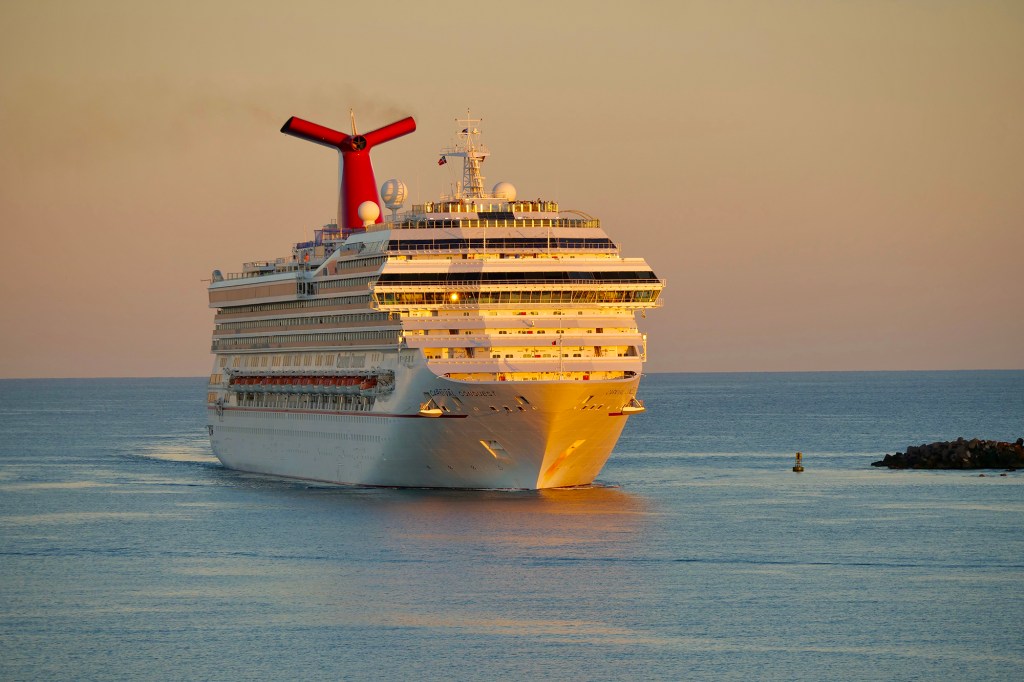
x=368, y=212
x=505, y=190
x=394, y=193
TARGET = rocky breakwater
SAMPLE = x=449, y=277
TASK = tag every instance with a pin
x=958, y=454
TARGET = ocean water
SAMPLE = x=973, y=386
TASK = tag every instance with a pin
x=128, y=552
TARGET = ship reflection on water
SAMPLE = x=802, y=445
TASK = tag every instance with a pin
x=542, y=520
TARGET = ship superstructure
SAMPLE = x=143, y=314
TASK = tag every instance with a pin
x=476, y=341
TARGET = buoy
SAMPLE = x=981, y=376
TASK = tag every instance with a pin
x=799, y=463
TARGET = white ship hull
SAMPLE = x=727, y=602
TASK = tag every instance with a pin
x=543, y=435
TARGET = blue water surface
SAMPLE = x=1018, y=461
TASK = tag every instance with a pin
x=128, y=552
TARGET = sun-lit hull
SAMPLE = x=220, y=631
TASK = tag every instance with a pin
x=538, y=436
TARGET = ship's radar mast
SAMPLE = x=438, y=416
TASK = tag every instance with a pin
x=472, y=153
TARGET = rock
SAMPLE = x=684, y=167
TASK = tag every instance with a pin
x=958, y=454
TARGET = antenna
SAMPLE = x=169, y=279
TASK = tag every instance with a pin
x=473, y=154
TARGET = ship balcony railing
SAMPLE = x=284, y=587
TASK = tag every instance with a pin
x=435, y=223
x=550, y=341
x=245, y=346
x=280, y=269
x=504, y=285
x=536, y=305
x=331, y=328
x=553, y=250
x=307, y=371
x=584, y=363
x=447, y=205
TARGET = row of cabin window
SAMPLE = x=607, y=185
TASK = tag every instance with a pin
x=264, y=341
x=516, y=277
x=538, y=352
x=536, y=243
x=342, y=360
x=360, y=263
x=305, y=401
x=293, y=321
x=313, y=288
x=298, y=305
x=487, y=297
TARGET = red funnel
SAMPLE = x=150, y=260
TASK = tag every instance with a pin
x=357, y=181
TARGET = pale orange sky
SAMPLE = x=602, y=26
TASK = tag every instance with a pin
x=825, y=185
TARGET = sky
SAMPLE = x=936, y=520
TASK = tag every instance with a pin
x=824, y=185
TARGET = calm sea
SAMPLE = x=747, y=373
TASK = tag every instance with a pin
x=127, y=552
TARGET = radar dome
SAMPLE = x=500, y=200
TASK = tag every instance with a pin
x=368, y=212
x=505, y=190
x=394, y=193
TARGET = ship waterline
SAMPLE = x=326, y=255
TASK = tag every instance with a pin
x=479, y=341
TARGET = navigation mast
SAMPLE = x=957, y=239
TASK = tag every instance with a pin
x=472, y=153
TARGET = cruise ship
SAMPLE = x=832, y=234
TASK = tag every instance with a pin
x=480, y=340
